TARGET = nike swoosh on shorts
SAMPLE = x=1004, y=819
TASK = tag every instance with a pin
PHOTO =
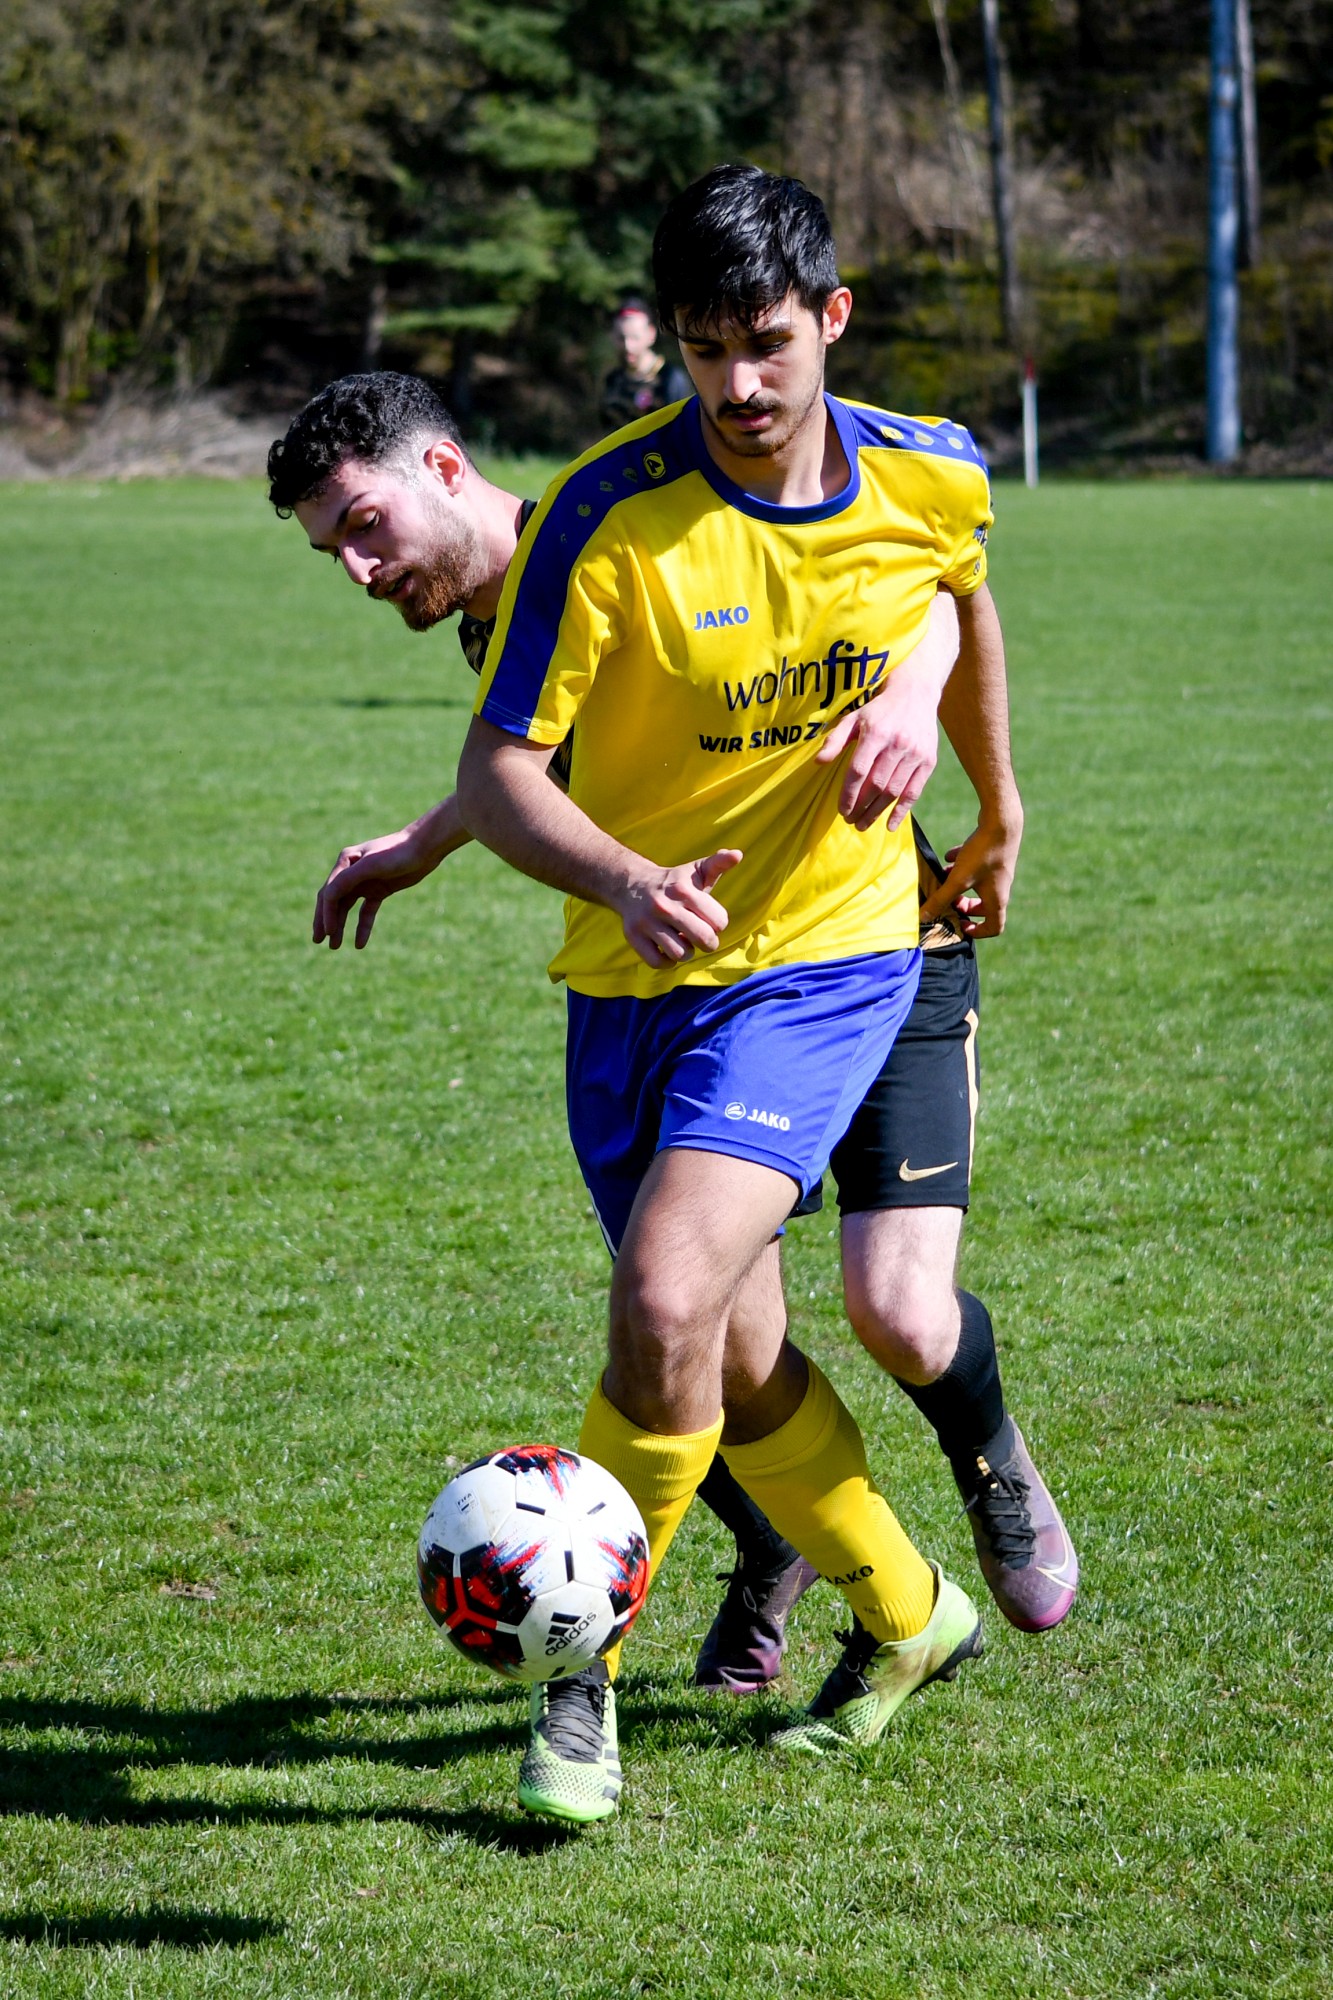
x=906, y=1173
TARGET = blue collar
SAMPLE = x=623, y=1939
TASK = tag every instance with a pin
x=766, y=510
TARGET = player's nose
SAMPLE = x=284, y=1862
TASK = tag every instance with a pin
x=360, y=568
x=742, y=381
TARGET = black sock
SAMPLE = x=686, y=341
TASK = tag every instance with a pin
x=760, y=1549
x=966, y=1404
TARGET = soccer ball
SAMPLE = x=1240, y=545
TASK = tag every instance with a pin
x=534, y=1561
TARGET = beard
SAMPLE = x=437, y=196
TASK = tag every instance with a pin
x=787, y=420
x=442, y=581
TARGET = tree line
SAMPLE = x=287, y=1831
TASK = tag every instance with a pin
x=266, y=191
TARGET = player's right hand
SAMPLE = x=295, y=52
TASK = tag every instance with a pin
x=984, y=864
x=367, y=874
x=668, y=913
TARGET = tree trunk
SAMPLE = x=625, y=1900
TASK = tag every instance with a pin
x=458, y=393
x=960, y=139
x=1002, y=176
x=372, y=338
x=72, y=354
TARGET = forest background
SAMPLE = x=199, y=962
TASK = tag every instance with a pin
x=255, y=195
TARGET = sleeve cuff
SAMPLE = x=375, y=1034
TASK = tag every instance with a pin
x=514, y=724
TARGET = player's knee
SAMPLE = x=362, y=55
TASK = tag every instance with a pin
x=655, y=1309
x=911, y=1329
x=658, y=1372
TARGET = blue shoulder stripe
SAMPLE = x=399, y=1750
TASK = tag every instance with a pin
x=883, y=430
x=633, y=461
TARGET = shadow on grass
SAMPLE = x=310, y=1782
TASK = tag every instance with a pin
x=92, y=1780
x=101, y=1930
x=399, y=701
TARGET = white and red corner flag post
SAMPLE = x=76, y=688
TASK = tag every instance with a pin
x=1029, y=423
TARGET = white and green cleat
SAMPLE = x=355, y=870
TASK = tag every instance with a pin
x=571, y=1768
x=872, y=1681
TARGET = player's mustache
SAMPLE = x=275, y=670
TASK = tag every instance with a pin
x=756, y=407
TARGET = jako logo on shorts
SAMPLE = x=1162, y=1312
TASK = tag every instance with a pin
x=730, y=614
x=774, y=1119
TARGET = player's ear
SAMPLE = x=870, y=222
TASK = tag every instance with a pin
x=446, y=461
x=837, y=312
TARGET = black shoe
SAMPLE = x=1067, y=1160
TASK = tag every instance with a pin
x=743, y=1650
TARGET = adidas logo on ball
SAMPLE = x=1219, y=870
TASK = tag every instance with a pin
x=565, y=1629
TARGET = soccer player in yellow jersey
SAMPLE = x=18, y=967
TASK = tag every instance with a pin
x=708, y=593
x=376, y=471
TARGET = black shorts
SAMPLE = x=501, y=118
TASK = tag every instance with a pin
x=910, y=1144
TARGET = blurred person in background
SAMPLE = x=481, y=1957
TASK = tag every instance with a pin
x=642, y=380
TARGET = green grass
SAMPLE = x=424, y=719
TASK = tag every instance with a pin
x=285, y=1235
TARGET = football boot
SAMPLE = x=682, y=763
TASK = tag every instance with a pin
x=873, y=1679
x=1023, y=1547
x=571, y=1767
x=743, y=1650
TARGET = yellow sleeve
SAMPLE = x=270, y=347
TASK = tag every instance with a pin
x=963, y=524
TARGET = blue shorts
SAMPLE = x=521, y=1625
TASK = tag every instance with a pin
x=770, y=1069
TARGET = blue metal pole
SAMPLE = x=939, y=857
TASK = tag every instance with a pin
x=1223, y=226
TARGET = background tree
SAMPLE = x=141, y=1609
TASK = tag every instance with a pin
x=157, y=156
x=271, y=190
x=531, y=205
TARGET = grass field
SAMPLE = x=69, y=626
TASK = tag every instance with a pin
x=285, y=1236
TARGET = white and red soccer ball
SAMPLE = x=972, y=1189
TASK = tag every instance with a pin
x=534, y=1561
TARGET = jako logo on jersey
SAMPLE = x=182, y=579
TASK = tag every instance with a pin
x=735, y=1110
x=841, y=663
x=730, y=614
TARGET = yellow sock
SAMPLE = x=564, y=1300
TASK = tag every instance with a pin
x=660, y=1474
x=811, y=1479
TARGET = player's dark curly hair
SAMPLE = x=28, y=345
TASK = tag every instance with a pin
x=735, y=243
x=365, y=417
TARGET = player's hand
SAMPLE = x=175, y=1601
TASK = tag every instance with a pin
x=896, y=742
x=669, y=913
x=984, y=864
x=367, y=874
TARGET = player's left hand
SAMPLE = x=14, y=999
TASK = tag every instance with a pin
x=896, y=742
x=985, y=864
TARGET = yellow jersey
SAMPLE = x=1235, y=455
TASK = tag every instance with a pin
x=705, y=640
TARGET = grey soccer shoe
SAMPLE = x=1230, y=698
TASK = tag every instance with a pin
x=571, y=1768
x=1023, y=1547
x=743, y=1650
x=873, y=1680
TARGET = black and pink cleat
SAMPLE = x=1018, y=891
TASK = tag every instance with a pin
x=1023, y=1546
x=743, y=1650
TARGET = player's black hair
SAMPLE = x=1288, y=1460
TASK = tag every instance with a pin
x=633, y=304
x=735, y=242
x=365, y=417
